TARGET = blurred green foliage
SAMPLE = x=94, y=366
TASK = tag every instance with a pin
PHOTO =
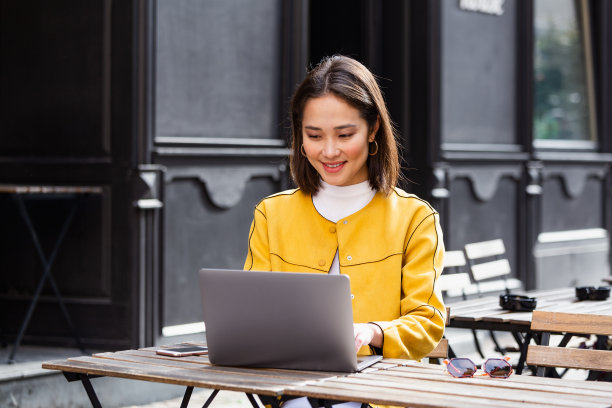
x=561, y=99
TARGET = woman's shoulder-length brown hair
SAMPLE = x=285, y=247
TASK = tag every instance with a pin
x=348, y=79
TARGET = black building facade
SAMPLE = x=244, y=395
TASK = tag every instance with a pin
x=175, y=112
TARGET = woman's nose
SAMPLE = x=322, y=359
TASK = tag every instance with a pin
x=330, y=149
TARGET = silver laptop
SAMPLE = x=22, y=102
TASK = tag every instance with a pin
x=297, y=321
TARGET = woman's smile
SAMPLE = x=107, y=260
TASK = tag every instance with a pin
x=333, y=167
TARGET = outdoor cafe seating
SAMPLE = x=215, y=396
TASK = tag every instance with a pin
x=410, y=383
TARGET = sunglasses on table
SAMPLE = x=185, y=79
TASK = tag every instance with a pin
x=493, y=367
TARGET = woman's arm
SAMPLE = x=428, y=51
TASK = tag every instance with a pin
x=421, y=325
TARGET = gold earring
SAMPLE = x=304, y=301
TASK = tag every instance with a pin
x=302, y=150
x=375, y=151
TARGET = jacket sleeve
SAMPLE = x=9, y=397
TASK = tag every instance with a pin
x=423, y=315
x=258, y=251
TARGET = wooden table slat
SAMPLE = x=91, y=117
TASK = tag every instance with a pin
x=414, y=399
x=484, y=390
x=554, y=295
x=162, y=376
x=546, y=382
x=493, y=312
x=206, y=379
x=517, y=382
x=202, y=363
x=389, y=382
x=550, y=296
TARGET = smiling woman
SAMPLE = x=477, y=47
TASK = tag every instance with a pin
x=343, y=95
x=347, y=215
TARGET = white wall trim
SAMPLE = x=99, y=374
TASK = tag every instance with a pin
x=182, y=329
x=572, y=235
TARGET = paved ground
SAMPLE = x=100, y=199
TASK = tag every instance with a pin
x=198, y=398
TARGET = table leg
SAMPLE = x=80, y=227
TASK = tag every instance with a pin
x=544, y=342
x=210, y=399
x=317, y=403
x=187, y=397
x=477, y=343
x=565, y=340
x=91, y=393
x=498, y=347
x=252, y=400
x=523, y=356
x=274, y=402
x=600, y=344
x=84, y=378
x=46, y=274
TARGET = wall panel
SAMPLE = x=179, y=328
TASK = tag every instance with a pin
x=217, y=68
x=478, y=75
x=200, y=234
x=471, y=219
x=572, y=200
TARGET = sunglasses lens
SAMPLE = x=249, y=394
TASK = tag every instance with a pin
x=496, y=367
x=461, y=367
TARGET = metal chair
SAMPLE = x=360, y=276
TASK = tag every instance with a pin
x=490, y=271
x=489, y=268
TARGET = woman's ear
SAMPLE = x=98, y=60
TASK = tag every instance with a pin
x=375, y=130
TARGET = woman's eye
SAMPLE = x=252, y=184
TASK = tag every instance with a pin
x=313, y=136
x=345, y=135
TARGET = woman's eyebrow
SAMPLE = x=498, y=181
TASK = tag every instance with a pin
x=348, y=125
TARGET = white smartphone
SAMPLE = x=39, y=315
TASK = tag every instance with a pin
x=183, y=351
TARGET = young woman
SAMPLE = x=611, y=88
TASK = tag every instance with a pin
x=347, y=215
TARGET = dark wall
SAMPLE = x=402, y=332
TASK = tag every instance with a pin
x=218, y=133
x=66, y=102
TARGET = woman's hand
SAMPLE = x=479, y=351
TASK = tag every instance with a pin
x=367, y=333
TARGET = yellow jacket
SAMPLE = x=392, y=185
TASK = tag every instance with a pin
x=392, y=250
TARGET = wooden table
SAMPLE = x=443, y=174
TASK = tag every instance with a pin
x=485, y=313
x=394, y=382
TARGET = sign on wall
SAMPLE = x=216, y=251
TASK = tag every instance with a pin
x=493, y=7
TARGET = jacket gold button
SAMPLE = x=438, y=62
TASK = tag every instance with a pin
x=321, y=262
x=349, y=257
x=332, y=229
x=345, y=222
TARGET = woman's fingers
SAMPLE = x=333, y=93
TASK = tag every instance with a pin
x=363, y=335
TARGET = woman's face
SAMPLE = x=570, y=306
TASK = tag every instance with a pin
x=336, y=138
